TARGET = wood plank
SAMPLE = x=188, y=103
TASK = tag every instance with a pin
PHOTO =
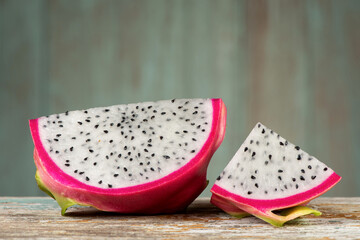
x=40, y=218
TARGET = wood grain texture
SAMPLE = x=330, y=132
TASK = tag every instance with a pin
x=40, y=218
x=292, y=65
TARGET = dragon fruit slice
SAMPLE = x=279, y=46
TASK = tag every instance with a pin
x=269, y=175
x=144, y=158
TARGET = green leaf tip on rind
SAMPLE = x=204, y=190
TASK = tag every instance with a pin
x=63, y=202
x=42, y=186
x=287, y=214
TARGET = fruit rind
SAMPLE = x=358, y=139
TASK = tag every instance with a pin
x=166, y=195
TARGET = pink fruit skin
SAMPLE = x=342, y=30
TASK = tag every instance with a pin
x=169, y=194
x=259, y=207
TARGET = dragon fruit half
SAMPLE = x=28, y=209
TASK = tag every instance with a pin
x=268, y=174
x=145, y=158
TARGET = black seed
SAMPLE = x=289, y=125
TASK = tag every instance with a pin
x=88, y=140
x=58, y=135
x=196, y=112
x=144, y=132
x=129, y=153
x=313, y=177
x=192, y=151
x=90, y=150
x=153, y=155
x=257, y=142
x=61, y=126
x=297, y=186
x=263, y=131
x=66, y=164
x=325, y=169
x=256, y=171
x=100, y=182
x=109, y=185
x=106, y=131
x=87, y=179
x=152, y=169
x=94, y=163
x=125, y=148
x=67, y=113
x=310, y=158
x=139, y=154
x=249, y=192
x=253, y=177
x=80, y=123
x=302, y=170
x=299, y=157
x=245, y=149
x=297, y=147
x=81, y=173
x=266, y=192
x=285, y=186
x=56, y=151
x=71, y=149
x=85, y=159
x=67, y=160
x=194, y=139
x=76, y=171
x=279, y=177
x=280, y=171
x=259, y=125
x=294, y=179
x=302, y=178
x=251, y=141
x=96, y=126
x=253, y=154
x=125, y=169
x=275, y=189
x=87, y=120
x=145, y=150
x=185, y=131
x=218, y=178
x=73, y=138
x=163, y=113
x=281, y=143
x=166, y=156
x=149, y=145
x=203, y=130
x=309, y=167
x=270, y=156
x=107, y=157
x=266, y=162
x=286, y=143
x=56, y=140
x=256, y=185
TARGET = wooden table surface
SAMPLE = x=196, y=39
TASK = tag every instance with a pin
x=39, y=217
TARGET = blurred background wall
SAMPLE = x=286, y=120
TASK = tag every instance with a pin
x=293, y=65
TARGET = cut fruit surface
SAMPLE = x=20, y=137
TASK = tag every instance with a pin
x=269, y=173
x=147, y=157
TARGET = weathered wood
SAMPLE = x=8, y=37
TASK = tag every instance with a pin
x=293, y=65
x=40, y=218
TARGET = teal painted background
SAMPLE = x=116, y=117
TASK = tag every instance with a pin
x=293, y=65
